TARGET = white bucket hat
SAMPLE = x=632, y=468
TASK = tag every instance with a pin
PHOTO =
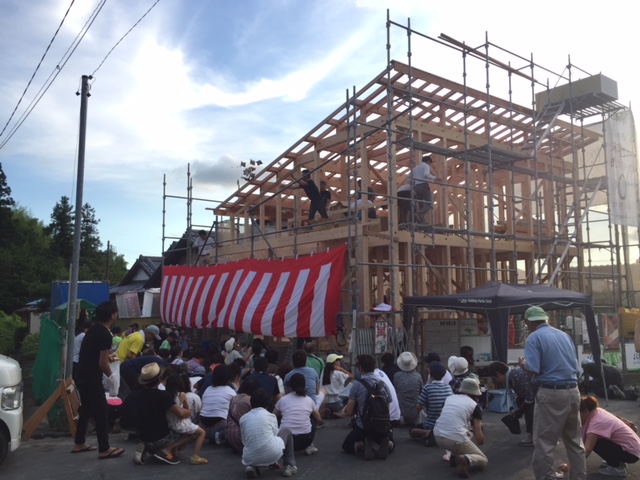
x=458, y=365
x=229, y=344
x=407, y=361
x=470, y=386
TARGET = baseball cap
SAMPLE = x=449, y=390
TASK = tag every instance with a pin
x=536, y=314
x=332, y=357
x=155, y=331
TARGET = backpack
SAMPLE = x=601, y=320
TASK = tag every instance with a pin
x=375, y=419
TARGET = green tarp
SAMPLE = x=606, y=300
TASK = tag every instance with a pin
x=47, y=370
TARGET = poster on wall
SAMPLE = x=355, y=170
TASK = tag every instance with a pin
x=474, y=326
x=442, y=337
x=611, y=329
x=380, y=336
x=468, y=326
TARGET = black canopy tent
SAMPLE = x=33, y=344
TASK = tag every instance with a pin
x=500, y=300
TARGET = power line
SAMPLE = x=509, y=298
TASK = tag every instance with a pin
x=123, y=37
x=37, y=67
x=56, y=71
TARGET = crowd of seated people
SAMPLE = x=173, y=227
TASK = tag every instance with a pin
x=267, y=411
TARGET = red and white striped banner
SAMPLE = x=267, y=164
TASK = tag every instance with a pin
x=280, y=298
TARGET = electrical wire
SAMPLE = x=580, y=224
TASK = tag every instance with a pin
x=37, y=67
x=123, y=37
x=56, y=71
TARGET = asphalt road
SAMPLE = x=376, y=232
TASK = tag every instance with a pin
x=49, y=458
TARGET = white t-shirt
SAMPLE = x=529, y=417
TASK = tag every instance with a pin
x=422, y=173
x=394, y=406
x=231, y=356
x=259, y=432
x=206, y=245
x=296, y=413
x=335, y=388
x=77, y=343
x=454, y=419
x=215, y=401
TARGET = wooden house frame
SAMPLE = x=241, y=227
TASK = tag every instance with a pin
x=512, y=202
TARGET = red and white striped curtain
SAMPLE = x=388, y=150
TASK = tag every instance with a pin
x=281, y=298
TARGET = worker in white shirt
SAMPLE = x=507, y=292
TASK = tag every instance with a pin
x=420, y=177
x=204, y=244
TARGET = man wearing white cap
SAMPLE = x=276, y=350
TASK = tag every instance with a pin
x=551, y=355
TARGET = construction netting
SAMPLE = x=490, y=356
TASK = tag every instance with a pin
x=47, y=370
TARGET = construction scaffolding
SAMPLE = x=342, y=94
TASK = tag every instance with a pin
x=184, y=243
x=523, y=194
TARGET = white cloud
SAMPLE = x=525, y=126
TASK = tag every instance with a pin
x=160, y=101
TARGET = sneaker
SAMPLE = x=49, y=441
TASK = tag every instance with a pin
x=289, y=470
x=526, y=443
x=166, y=458
x=311, y=449
x=462, y=466
x=198, y=460
x=251, y=472
x=610, y=471
x=218, y=438
x=140, y=454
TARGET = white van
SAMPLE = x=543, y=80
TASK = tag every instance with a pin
x=10, y=405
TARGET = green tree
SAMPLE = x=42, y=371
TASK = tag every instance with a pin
x=61, y=229
x=26, y=263
x=92, y=260
x=6, y=206
x=5, y=191
x=33, y=255
x=90, y=241
x=117, y=266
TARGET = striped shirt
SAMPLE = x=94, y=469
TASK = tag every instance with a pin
x=432, y=397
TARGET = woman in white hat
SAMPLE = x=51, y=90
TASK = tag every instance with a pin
x=408, y=385
x=334, y=380
x=231, y=353
x=459, y=368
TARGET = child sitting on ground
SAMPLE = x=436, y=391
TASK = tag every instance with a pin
x=176, y=388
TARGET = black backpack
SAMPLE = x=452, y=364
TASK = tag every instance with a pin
x=375, y=419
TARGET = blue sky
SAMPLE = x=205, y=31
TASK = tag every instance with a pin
x=213, y=83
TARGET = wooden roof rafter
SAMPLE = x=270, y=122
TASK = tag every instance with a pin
x=433, y=101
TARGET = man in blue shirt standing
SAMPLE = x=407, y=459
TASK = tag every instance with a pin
x=550, y=354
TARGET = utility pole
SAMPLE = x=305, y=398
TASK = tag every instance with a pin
x=72, y=305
